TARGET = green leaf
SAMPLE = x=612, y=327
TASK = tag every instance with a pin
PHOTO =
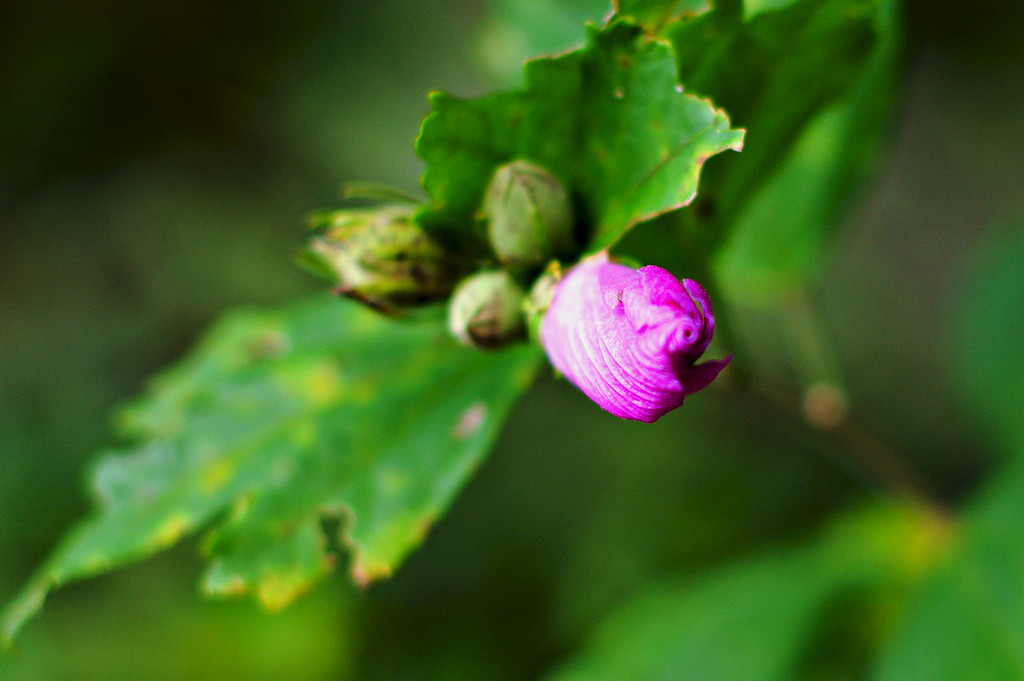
x=967, y=622
x=754, y=620
x=515, y=31
x=374, y=192
x=751, y=8
x=293, y=433
x=991, y=334
x=775, y=244
x=812, y=74
x=610, y=120
x=655, y=15
x=462, y=142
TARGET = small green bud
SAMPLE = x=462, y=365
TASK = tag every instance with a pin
x=486, y=310
x=381, y=257
x=539, y=298
x=528, y=213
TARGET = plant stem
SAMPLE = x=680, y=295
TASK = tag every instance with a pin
x=866, y=456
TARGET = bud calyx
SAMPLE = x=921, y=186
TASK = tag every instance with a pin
x=381, y=257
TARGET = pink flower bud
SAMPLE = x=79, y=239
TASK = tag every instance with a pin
x=629, y=338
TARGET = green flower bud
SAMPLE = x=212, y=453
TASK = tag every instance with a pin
x=381, y=257
x=486, y=310
x=528, y=213
x=539, y=298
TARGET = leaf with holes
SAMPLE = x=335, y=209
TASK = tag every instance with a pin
x=292, y=434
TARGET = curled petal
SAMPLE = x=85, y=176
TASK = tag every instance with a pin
x=629, y=338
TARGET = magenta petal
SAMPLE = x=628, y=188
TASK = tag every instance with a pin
x=700, y=376
x=629, y=338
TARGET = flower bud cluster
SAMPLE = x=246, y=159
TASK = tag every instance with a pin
x=528, y=217
x=628, y=338
x=383, y=257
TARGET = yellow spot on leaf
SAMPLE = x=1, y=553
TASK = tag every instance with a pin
x=323, y=384
x=232, y=586
x=277, y=591
x=423, y=526
x=172, y=530
x=241, y=508
x=216, y=475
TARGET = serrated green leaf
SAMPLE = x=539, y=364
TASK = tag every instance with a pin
x=462, y=142
x=776, y=73
x=655, y=15
x=279, y=421
x=277, y=558
x=753, y=620
x=610, y=120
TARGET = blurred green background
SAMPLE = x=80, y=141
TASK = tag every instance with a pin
x=156, y=164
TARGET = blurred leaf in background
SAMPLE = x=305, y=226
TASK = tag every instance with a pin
x=815, y=82
x=754, y=620
x=967, y=621
x=990, y=335
x=513, y=32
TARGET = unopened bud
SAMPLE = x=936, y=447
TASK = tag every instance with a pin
x=528, y=213
x=539, y=299
x=486, y=310
x=630, y=339
x=380, y=256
